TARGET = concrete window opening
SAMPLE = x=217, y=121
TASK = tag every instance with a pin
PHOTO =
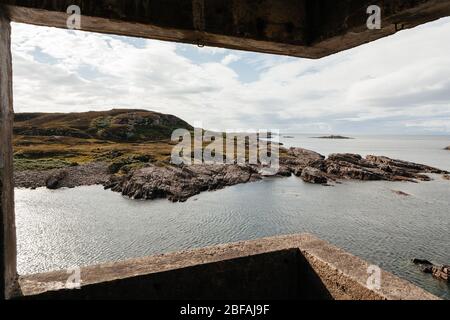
x=301, y=266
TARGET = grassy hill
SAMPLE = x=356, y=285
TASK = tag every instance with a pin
x=118, y=137
x=119, y=125
x=123, y=139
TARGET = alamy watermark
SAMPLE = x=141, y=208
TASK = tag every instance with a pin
x=374, y=20
x=374, y=279
x=241, y=147
x=74, y=279
x=74, y=20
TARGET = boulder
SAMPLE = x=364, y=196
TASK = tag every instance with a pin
x=53, y=181
x=439, y=272
x=401, y=193
x=313, y=175
x=422, y=262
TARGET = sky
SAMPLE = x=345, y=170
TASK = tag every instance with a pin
x=396, y=85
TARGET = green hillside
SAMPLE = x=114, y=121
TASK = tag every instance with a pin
x=118, y=137
x=119, y=125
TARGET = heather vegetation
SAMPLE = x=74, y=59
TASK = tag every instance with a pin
x=124, y=139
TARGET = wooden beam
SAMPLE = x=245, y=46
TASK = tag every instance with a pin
x=8, y=271
x=340, y=25
x=300, y=28
x=269, y=26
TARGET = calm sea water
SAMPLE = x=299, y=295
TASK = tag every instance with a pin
x=87, y=225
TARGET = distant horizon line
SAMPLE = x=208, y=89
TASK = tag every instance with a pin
x=282, y=133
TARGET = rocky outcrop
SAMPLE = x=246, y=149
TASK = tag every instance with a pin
x=180, y=183
x=401, y=193
x=294, y=160
x=439, y=272
x=54, y=180
x=313, y=175
x=351, y=166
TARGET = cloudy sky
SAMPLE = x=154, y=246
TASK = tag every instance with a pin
x=399, y=84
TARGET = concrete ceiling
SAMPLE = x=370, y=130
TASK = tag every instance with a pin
x=301, y=28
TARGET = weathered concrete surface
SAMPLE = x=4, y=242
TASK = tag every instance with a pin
x=303, y=28
x=294, y=267
x=7, y=219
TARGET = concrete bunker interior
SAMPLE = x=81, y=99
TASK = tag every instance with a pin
x=264, y=26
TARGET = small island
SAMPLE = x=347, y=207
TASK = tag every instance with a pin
x=334, y=137
x=448, y=148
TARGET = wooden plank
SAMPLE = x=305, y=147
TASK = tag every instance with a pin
x=149, y=31
x=301, y=28
x=7, y=219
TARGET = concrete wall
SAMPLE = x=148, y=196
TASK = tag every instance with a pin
x=303, y=28
x=266, y=276
x=289, y=267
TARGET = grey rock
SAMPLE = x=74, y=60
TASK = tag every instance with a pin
x=354, y=167
x=180, y=183
x=54, y=179
x=313, y=175
x=439, y=272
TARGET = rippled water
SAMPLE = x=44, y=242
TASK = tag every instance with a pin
x=86, y=225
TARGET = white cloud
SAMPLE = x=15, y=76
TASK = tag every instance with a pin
x=230, y=58
x=397, y=84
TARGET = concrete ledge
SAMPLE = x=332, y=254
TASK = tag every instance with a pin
x=285, y=267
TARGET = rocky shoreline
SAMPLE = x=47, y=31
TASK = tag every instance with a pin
x=179, y=183
x=95, y=173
